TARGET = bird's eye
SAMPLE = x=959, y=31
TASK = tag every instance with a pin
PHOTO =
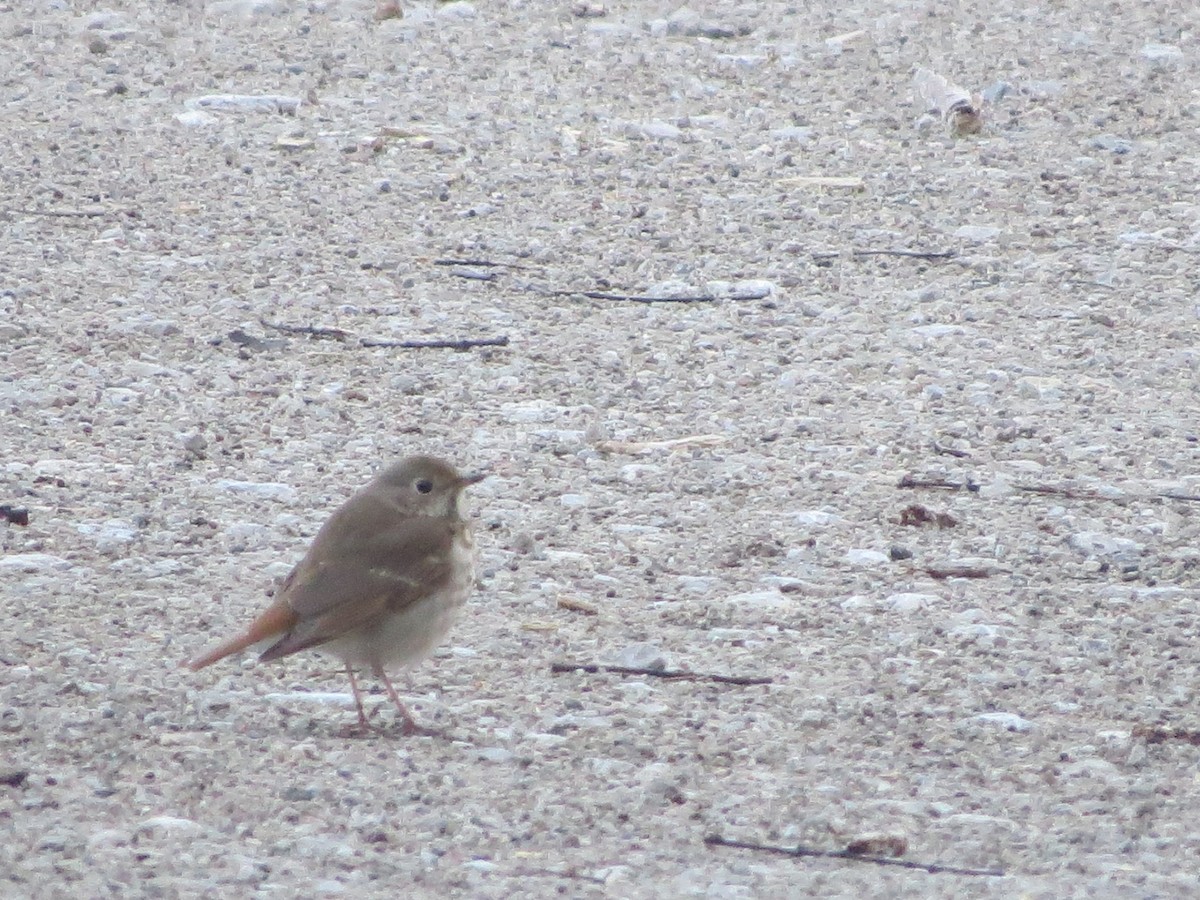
x=423, y=485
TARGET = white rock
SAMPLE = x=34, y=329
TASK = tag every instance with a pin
x=108, y=535
x=169, y=825
x=861, y=557
x=938, y=330
x=815, y=518
x=1162, y=53
x=910, y=602
x=640, y=656
x=769, y=599
x=494, y=754
x=977, y=233
x=656, y=130
x=195, y=118
x=269, y=103
x=33, y=562
x=458, y=10
x=1007, y=721
x=1093, y=543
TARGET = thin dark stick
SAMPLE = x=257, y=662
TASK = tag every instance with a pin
x=476, y=262
x=671, y=674
x=463, y=344
x=956, y=572
x=339, y=335
x=715, y=840
x=336, y=334
x=635, y=298
x=949, y=451
x=907, y=254
x=908, y=481
x=66, y=213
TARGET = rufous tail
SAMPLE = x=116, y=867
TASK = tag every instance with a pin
x=275, y=620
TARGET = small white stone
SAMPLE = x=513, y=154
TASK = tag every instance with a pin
x=860, y=557
x=977, y=233
x=1007, y=721
x=33, y=562
x=910, y=602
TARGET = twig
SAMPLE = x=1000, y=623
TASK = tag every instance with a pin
x=942, y=573
x=906, y=254
x=463, y=344
x=90, y=213
x=715, y=840
x=910, y=254
x=670, y=674
x=910, y=481
x=636, y=298
x=481, y=263
x=949, y=451
x=336, y=334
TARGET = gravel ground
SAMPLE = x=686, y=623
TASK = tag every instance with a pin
x=994, y=663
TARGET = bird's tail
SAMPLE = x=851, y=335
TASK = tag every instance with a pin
x=275, y=620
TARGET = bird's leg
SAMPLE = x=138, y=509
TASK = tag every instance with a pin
x=363, y=725
x=410, y=724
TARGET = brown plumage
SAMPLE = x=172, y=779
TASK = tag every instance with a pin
x=381, y=585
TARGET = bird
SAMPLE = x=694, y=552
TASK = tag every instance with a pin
x=385, y=579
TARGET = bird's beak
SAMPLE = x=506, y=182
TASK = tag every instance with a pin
x=473, y=478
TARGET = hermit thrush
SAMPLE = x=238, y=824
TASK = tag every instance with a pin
x=382, y=583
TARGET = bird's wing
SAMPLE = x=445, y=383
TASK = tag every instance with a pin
x=346, y=582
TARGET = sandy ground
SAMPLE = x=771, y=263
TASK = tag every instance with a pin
x=994, y=663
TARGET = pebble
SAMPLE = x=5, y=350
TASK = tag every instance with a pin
x=866, y=558
x=815, y=518
x=641, y=656
x=269, y=103
x=495, y=754
x=911, y=602
x=33, y=562
x=1162, y=53
x=656, y=130
x=978, y=233
x=1095, y=544
x=1007, y=721
x=772, y=599
x=168, y=826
